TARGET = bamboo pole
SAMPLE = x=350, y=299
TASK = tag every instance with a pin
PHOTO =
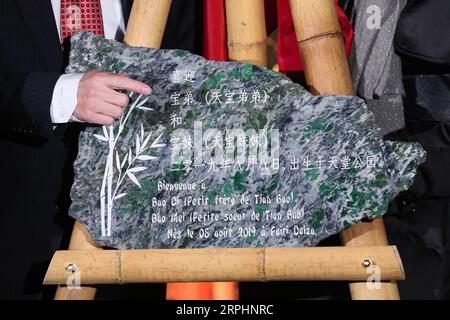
x=147, y=23
x=246, y=31
x=326, y=70
x=80, y=240
x=247, y=42
x=322, y=48
x=247, y=264
x=363, y=234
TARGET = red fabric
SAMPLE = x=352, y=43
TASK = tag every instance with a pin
x=81, y=15
x=288, y=54
x=214, y=31
x=190, y=291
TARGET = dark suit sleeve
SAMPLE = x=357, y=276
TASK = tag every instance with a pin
x=25, y=101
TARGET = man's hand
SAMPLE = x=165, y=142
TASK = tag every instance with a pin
x=98, y=100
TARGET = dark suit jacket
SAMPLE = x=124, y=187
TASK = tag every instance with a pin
x=35, y=159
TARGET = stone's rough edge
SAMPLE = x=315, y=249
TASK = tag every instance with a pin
x=84, y=43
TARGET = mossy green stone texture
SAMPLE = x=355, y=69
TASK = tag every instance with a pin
x=298, y=205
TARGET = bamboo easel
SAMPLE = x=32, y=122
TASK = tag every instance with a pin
x=326, y=69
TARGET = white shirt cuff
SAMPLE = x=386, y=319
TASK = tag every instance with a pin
x=64, y=99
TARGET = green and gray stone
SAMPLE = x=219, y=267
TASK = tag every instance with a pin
x=332, y=169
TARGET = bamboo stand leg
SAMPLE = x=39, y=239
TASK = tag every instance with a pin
x=79, y=240
x=247, y=42
x=246, y=30
x=147, y=23
x=326, y=70
x=145, y=29
x=374, y=234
